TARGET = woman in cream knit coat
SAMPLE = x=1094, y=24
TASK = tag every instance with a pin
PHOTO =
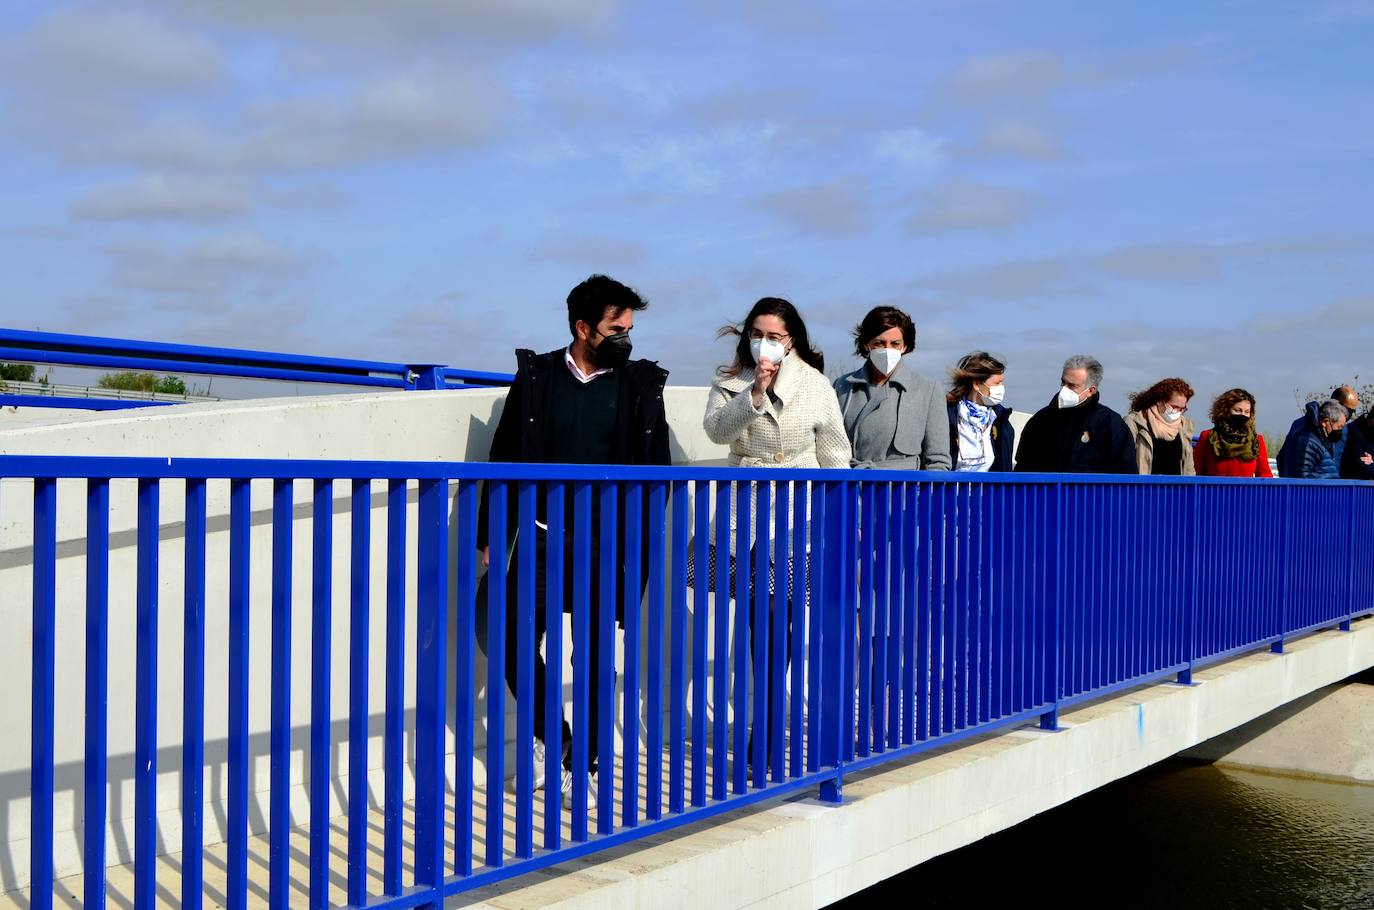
x=773, y=406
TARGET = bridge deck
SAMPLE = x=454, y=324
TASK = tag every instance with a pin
x=793, y=850
x=67, y=892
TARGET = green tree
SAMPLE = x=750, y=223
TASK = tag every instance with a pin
x=170, y=385
x=17, y=372
x=137, y=381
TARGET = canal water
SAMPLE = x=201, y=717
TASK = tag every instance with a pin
x=1176, y=835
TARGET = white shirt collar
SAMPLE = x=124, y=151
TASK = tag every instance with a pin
x=576, y=370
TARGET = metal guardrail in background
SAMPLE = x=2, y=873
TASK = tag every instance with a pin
x=126, y=354
x=876, y=615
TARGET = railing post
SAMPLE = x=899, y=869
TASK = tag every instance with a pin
x=1349, y=564
x=43, y=717
x=1054, y=638
x=1188, y=628
x=424, y=377
x=836, y=672
x=431, y=674
x=1286, y=549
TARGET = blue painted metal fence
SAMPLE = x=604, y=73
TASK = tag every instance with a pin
x=129, y=354
x=873, y=615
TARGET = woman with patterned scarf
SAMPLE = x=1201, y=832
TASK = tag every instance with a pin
x=1232, y=448
x=981, y=436
x=1162, y=435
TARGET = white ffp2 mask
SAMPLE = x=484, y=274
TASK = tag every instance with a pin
x=885, y=360
x=995, y=394
x=767, y=347
x=1068, y=398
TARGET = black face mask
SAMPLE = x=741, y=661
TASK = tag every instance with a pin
x=614, y=350
x=1236, y=423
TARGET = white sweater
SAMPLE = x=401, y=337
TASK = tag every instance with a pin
x=798, y=426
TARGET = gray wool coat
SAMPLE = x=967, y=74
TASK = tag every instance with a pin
x=908, y=430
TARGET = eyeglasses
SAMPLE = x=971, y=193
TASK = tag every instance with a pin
x=770, y=336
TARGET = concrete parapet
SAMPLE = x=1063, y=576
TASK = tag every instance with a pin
x=799, y=852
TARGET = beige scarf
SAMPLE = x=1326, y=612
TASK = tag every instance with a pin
x=1161, y=428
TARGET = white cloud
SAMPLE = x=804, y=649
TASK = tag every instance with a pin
x=839, y=206
x=160, y=197
x=370, y=22
x=1018, y=138
x=210, y=266
x=962, y=205
x=1001, y=78
x=108, y=50
x=595, y=254
x=424, y=109
x=912, y=148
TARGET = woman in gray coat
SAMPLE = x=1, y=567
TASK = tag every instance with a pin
x=893, y=417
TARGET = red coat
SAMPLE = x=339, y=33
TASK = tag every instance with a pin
x=1210, y=465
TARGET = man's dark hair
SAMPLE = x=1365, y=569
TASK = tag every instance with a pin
x=591, y=300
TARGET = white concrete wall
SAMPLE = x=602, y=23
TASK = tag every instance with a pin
x=421, y=426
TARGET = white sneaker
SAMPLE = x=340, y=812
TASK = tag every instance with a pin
x=567, y=785
x=539, y=753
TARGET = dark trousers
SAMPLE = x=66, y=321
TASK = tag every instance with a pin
x=538, y=602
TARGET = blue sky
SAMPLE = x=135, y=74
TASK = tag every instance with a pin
x=1180, y=189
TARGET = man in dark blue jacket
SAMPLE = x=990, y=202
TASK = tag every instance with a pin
x=1343, y=395
x=1076, y=433
x=1310, y=451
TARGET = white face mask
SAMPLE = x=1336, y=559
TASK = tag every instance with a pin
x=995, y=394
x=1171, y=415
x=766, y=347
x=1068, y=398
x=885, y=360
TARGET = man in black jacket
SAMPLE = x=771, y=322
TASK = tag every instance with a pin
x=587, y=403
x=1357, y=458
x=1076, y=433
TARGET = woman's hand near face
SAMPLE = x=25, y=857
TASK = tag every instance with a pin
x=764, y=374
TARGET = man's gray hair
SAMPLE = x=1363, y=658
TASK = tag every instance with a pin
x=1333, y=411
x=1084, y=362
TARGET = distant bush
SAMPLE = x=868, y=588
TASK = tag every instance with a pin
x=136, y=381
x=17, y=372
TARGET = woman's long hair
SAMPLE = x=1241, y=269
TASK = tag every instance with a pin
x=1160, y=391
x=791, y=319
x=974, y=367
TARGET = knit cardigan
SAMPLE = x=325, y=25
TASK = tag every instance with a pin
x=799, y=425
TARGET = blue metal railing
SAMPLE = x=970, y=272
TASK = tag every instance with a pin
x=874, y=615
x=127, y=354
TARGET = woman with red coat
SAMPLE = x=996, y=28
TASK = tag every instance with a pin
x=1232, y=447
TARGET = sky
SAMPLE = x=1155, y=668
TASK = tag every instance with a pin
x=1178, y=188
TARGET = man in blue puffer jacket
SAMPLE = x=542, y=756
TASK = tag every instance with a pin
x=1310, y=449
